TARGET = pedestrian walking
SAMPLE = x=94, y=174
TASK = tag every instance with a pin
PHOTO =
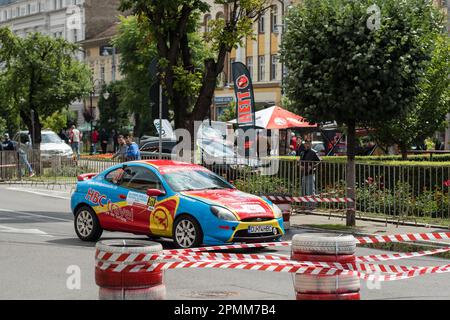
x=133, y=152
x=308, y=165
x=9, y=145
x=104, y=138
x=94, y=141
x=74, y=140
x=121, y=152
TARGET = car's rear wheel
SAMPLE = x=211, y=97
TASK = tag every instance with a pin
x=87, y=226
x=187, y=233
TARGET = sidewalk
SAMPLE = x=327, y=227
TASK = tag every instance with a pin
x=333, y=224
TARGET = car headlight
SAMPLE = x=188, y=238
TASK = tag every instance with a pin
x=223, y=214
x=277, y=211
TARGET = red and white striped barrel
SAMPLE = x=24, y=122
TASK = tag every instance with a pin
x=121, y=274
x=329, y=248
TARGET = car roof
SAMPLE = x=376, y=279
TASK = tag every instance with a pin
x=162, y=165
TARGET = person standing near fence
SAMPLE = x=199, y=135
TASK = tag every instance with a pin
x=121, y=153
x=94, y=139
x=104, y=138
x=8, y=145
x=74, y=139
x=133, y=152
x=308, y=163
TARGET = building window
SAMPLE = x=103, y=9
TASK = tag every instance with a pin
x=261, y=23
x=75, y=35
x=230, y=73
x=206, y=22
x=261, y=68
x=273, y=67
x=102, y=73
x=274, y=19
x=249, y=63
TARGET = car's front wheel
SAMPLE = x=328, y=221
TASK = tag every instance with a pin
x=187, y=233
x=87, y=225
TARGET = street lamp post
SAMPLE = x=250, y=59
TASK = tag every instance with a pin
x=95, y=83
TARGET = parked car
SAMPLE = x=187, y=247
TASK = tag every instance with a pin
x=51, y=145
x=319, y=148
x=211, y=152
x=165, y=198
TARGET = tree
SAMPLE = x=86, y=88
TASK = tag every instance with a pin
x=171, y=26
x=137, y=52
x=58, y=120
x=112, y=115
x=40, y=77
x=356, y=63
x=427, y=115
x=3, y=126
x=229, y=113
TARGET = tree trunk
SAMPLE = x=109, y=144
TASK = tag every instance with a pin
x=351, y=190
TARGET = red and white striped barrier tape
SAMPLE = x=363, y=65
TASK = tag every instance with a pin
x=126, y=257
x=144, y=266
x=419, y=271
x=314, y=199
x=399, y=256
x=404, y=237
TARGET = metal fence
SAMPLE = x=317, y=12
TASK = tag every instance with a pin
x=419, y=193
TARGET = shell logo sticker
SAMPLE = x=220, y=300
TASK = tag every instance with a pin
x=161, y=219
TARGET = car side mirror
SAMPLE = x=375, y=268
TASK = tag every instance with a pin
x=155, y=193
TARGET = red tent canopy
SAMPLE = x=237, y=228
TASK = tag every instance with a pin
x=279, y=118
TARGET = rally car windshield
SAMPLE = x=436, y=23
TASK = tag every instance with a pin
x=190, y=180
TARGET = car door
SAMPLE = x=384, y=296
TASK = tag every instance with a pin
x=135, y=182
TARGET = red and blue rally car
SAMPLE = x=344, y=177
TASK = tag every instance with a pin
x=162, y=198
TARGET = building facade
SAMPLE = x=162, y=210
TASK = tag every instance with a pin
x=73, y=20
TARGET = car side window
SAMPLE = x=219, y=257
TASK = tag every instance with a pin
x=140, y=179
x=115, y=176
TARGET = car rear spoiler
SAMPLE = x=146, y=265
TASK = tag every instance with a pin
x=86, y=176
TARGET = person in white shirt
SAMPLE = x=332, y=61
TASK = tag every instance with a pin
x=74, y=140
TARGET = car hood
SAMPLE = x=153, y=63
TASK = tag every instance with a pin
x=244, y=205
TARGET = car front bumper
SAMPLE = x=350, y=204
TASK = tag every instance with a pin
x=231, y=232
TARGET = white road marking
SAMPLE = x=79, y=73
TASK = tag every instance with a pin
x=6, y=229
x=35, y=215
x=40, y=193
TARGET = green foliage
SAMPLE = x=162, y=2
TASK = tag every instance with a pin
x=259, y=184
x=189, y=65
x=112, y=114
x=40, y=76
x=340, y=70
x=3, y=127
x=55, y=122
x=430, y=107
x=229, y=113
x=137, y=51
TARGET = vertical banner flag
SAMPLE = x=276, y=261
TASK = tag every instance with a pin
x=245, y=99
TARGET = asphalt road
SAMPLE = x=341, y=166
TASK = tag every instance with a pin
x=39, y=253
